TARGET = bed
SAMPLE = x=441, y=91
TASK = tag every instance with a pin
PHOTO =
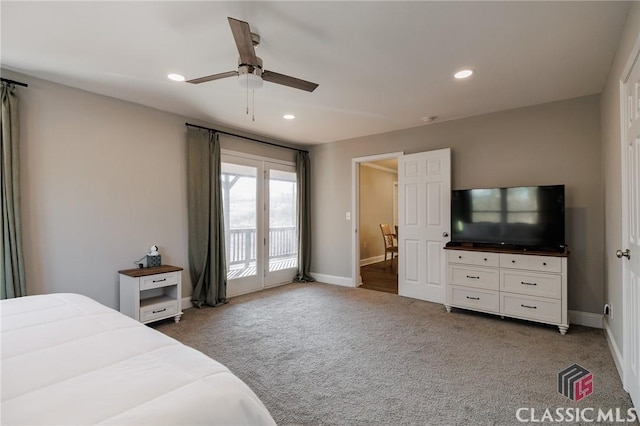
x=67, y=359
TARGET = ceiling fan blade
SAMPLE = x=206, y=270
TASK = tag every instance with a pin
x=213, y=77
x=285, y=80
x=242, y=36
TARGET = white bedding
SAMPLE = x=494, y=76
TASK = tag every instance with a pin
x=67, y=359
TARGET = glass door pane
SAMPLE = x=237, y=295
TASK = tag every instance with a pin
x=282, y=256
x=241, y=214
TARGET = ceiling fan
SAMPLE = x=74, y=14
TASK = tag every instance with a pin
x=250, y=70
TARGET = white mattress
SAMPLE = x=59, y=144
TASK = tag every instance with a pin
x=67, y=359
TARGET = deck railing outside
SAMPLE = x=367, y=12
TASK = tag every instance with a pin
x=283, y=242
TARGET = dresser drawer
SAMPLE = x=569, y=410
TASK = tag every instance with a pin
x=158, y=280
x=531, y=307
x=477, y=277
x=158, y=310
x=477, y=258
x=530, y=283
x=483, y=300
x=533, y=263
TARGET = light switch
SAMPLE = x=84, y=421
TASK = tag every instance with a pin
x=348, y=215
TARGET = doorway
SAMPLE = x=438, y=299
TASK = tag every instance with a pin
x=378, y=225
x=367, y=242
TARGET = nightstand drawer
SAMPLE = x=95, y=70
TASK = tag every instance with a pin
x=486, y=278
x=483, y=300
x=543, y=285
x=158, y=310
x=158, y=280
x=536, y=308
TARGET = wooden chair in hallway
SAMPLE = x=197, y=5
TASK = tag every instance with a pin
x=390, y=242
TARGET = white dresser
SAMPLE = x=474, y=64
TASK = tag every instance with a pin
x=525, y=285
x=151, y=294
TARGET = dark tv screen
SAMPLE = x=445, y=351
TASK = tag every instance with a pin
x=529, y=217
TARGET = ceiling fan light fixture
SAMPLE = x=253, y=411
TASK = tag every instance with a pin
x=250, y=81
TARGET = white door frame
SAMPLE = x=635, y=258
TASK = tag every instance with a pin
x=355, y=209
x=634, y=56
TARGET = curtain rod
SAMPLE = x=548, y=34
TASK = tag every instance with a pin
x=6, y=80
x=244, y=137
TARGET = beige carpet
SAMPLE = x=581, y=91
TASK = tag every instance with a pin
x=318, y=354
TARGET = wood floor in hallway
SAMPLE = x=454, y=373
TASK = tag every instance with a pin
x=380, y=276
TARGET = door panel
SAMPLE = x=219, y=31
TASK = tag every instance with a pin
x=282, y=236
x=241, y=198
x=425, y=203
x=631, y=231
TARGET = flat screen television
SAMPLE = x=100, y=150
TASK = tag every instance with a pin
x=523, y=218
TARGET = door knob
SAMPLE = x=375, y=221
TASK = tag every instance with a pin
x=622, y=254
x=445, y=234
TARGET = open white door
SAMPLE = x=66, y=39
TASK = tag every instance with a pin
x=424, y=204
x=630, y=251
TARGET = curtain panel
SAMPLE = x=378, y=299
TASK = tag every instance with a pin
x=12, y=277
x=207, y=260
x=304, y=217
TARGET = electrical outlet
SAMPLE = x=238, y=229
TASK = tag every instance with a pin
x=364, y=244
x=608, y=310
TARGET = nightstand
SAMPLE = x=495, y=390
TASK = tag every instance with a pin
x=151, y=294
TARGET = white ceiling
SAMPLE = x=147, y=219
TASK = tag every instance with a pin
x=381, y=66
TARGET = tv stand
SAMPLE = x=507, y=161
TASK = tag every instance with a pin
x=525, y=284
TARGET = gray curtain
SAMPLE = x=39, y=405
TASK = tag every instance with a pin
x=304, y=218
x=12, y=282
x=207, y=261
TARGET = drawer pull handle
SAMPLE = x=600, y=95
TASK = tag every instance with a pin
x=473, y=298
x=513, y=261
x=529, y=307
x=526, y=283
x=159, y=281
x=485, y=259
x=544, y=263
x=471, y=276
x=161, y=310
x=459, y=257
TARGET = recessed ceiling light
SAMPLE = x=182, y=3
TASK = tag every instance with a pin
x=463, y=74
x=288, y=116
x=176, y=77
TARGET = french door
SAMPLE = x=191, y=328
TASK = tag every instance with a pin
x=261, y=236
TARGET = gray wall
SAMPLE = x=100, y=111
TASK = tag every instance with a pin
x=556, y=143
x=101, y=180
x=611, y=155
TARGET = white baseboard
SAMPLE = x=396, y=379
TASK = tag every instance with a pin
x=332, y=279
x=615, y=352
x=372, y=260
x=585, y=318
x=186, y=303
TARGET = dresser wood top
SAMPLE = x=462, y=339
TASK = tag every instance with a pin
x=143, y=272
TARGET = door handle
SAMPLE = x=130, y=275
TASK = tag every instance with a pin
x=445, y=234
x=622, y=254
